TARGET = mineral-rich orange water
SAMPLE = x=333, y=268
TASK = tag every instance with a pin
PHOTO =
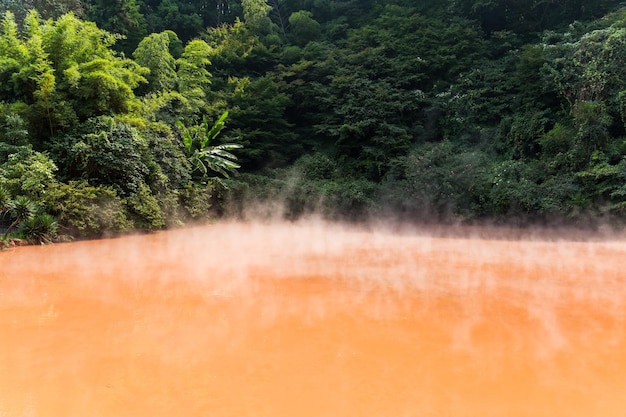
x=310, y=319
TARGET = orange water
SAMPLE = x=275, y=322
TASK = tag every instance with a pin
x=313, y=320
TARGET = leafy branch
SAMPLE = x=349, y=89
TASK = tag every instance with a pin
x=204, y=157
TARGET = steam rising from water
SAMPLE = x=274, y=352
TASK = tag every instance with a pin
x=310, y=318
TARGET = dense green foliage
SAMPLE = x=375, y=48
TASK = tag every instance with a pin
x=441, y=110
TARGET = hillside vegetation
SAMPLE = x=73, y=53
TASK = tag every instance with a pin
x=145, y=114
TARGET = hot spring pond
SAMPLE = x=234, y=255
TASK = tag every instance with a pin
x=312, y=319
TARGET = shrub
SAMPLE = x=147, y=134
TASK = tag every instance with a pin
x=316, y=166
x=19, y=210
x=84, y=210
x=444, y=180
x=144, y=209
x=42, y=228
x=196, y=200
x=104, y=152
x=27, y=172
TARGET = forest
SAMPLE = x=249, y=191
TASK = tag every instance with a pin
x=120, y=116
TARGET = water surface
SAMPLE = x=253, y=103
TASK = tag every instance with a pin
x=248, y=319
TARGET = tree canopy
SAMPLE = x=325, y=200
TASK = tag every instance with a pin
x=471, y=110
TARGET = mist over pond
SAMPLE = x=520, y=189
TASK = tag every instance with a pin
x=311, y=318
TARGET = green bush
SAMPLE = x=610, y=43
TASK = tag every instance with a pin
x=84, y=210
x=144, y=209
x=27, y=172
x=19, y=210
x=104, y=152
x=42, y=228
x=292, y=194
x=347, y=198
x=514, y=189
x=445, y=180
x=316, y=166
x=196, y=200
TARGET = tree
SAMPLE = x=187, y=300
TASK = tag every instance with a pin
x=28, y=172
x=235, y=49
x=304, y=28
x=62, y=72
x=530, y=16
x=366, y=121
x=105, y=152
x=177, y=88
x=32, y=73
x=193, y=73
x=123, y=17
x=205, y=158
x=53, y=9
x=13, y=135
x=49, y=9
x=588, y=76
x=5, y=198
x=182, y=17
x=14, y=130
x=256, y=15
x=279, y=15
x=218, y=12
x=91, y=77
x=153, y=53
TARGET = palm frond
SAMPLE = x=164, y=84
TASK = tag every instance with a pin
x=217, y=126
